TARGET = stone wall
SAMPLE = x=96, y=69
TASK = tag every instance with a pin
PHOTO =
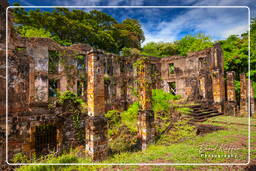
x=231, y=107
x=193, y=75
x=108, y=82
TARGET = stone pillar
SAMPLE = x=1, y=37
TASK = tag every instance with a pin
x=231, y=103
x=218, y=87
x=39, y=85
x=96, y=124
x=252, y=102
x=243, y=95
x=123, y=84
x=63, y=79
x=146, y=126
x=231, y=93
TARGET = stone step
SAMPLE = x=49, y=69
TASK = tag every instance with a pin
x=208, y=116
x=203, y=113
x=207, y=109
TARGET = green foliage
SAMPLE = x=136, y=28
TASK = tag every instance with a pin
x=193, y=43
x=51, y=158
x=161, y=100
x=123, y=140
x=79, y=133
x=20, y=158
x=253, y=50
x=72, y=103
x=183, y=110
x=235, y=50
x=122, y=137
x=160, y=49
x=53, y=61
x=180, y=131
x=187, y=44
x=254, y=88
x=130, y=51
x=114, y=122
x=134, y=91
x=165, y=108
x=29, y=31
x=70, y=97
x=130, y=33
x=130, y=116
x=65, y=26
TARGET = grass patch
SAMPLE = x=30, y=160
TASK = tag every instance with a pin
x=187, y=151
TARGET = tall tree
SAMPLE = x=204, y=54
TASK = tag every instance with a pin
x=129, y=33
x=187, y=44
x=66, y=26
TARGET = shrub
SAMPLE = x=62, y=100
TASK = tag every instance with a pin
x=180, y=131
x=70, y=97
x=165, y=109
x=161, y=100
x=123, y=140
x=122, y=128
x=114, y=122
x=130, y=116
x=20, y=158
x=72, y=103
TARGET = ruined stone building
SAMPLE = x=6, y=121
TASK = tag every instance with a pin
x=38, y=67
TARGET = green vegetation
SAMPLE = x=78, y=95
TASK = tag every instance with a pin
x=235, y=49
x=20, y=158
x=102, y=31
x=187, y=44
x=67, y=27
x=180, y=131
x=69, y=96
x=72, y=103
x=187, y=151
x=122, y=126
x=122, y=129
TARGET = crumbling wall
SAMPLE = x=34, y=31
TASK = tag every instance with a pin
x=109, y=82
x=231, y=107
x=193, y=75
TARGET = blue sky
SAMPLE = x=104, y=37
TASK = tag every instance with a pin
x=173, y=23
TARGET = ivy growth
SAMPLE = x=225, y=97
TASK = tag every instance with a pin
x=75, y=105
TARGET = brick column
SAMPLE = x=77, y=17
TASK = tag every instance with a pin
x=243, y=95
x=63, y=79
x=146, y=126
x=252, y=102
x=96, y=124
x=218, y=88
x=231, y=104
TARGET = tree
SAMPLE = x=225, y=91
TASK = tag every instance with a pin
x=193, y=43
x=129, y=34
x=235, y=49
x=96, y=28
x=160, y=49
x=187, y=44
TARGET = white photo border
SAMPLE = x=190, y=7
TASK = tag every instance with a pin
x=140, y=164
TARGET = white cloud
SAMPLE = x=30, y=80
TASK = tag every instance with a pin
x=218, y=23
x=96, y=2
x=77, y=2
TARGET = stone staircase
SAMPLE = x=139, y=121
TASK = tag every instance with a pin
x=201, y=113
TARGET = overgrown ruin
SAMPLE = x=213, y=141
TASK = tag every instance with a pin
x=105, y=82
